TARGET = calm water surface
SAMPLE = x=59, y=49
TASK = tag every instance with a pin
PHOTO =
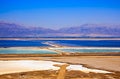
x=41, y=43
x=5, y=44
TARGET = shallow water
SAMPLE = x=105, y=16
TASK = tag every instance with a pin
x=17, y=50
x=25, y=51
x=87, y=50
x=32, y=65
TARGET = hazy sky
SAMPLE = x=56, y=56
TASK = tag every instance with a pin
x=60, y=13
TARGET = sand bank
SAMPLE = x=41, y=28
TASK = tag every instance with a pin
x=100, y=62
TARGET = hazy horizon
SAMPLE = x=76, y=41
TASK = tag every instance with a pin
x=59, y=14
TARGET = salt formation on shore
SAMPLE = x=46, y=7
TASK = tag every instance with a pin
x=7, y=67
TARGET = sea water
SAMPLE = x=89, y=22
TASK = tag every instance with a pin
x=77, y=43
x=108, y=44
x=89, y=43
x=22, y=43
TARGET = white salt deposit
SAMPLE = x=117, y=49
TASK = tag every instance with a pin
x=7, y=67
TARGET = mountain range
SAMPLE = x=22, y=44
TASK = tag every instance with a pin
x=85, y=30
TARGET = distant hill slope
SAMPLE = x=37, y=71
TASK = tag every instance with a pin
x=14, y=30
x=86, y=30
x=94, y=30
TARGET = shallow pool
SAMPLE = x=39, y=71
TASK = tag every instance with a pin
x=87, y=50
x=25, y=51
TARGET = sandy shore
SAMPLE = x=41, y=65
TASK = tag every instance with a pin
x=99, y=62
x=110, y=63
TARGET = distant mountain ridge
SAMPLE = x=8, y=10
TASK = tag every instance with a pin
x=85, y=30
x=93, y=30
x=14, y=30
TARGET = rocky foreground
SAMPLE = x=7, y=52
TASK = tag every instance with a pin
x=53, y=75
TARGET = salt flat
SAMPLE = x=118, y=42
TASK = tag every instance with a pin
x=14, y=66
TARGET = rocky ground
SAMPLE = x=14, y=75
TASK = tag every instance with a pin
x=49, y=74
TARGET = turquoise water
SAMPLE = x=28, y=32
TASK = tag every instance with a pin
x=46, y=51
x=88, y=50
x=25, y=51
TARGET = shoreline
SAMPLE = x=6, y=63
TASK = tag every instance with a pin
x=66, y=59
x=27, y=65
x=108, y=61
x=58, y=51
x=112, y=63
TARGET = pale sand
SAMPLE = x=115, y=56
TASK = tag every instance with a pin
x=100, y=62
x=111, y=63
x=14, y=66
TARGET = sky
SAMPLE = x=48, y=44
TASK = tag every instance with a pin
x=60, y=13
